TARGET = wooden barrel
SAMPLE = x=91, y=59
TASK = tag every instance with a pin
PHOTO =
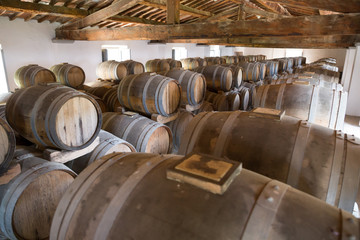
x=108, y=144
x=174, y=64
x=304, y=155
x=7, y=145
x=193, y=86
x=244, y=98
x=134, y=67
x=316, y=104
x=100, y=102
x=202, y=62
x=111, y=70
x=251, y=71
x=33, y=74
x=237, y=74
x=30, y=199
x=54, y=116
x=99, y=91
x=252, y=94
x=190, y=63
x=69, y=75
x=282, y=65
x=215, y=60
x=205, y=107
x=233, y=100
x=144, y=134
x=217, y=77
x=111, y=99
x=231, y=59
x=262, y=68
x=157, y=189
x=220, y=102
x=157, y=65
x=178, y=127
x=150, y=94
x=270, y=68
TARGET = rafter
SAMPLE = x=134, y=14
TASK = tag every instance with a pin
x=273, y=7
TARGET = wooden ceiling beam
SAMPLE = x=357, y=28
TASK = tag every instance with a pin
x=113, y=9
x=259, y=12
x=172, y=11
x=273, y=7
x=161, y=4
x=342, y=24
x=344, y=6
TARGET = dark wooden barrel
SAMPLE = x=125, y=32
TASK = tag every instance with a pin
x=219, y=101
x=270, y=68
x=190, y=63
x=144, y=134
x=262, y=68
x=111, y=99
x=100, y=101
x=174, y=64
x=312, y=158
x=150, y=94
x=134, y=67
x=244, y=98
x=157, y=65
x=178, y=127
x=30, y=199
x=205, y=107
x=156, y=192
x=251, y=71
x=109, y=143
x=231, y=59
x=252, y=94
x=69, y=75
x=99, y=91
x=111, y=70
x=202, y=62
x=193, y=86
x=319, y=105
x=54, y=116
x=33, y=74
x=237, y=74
x=7, y=145
x=217, y=77
x=282, y=64
x=215, y=60
x=233, y=100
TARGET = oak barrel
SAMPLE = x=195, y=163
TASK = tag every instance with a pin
x=54, y=116
x=69, y=75
x=244, y=97
x=109, y=143
x=234, y=100
x=215, y=60
x=320, y=105
x=178, y=127
x=252, y=94
x=202, y=62
x=30, y=199
x=231, y=59
x=193, y=86
x=219, y=101
x=304, y=155
x=134, y=67
x=191, y=63
x=157, y=65
x=251, y=71
x=7, y=145
x=252, y=207
x=174, y=64
x=33, y=74
x=99, y=101
x=111, y=70
x=217, y=77
x=144, y=134
x=270, y=68
x=111, y=99
x=150, y=94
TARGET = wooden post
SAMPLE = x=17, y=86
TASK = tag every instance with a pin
x=173, y=11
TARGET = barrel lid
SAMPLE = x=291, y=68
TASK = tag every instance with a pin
x=207, y=172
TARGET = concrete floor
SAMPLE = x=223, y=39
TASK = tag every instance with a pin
x=351, y=125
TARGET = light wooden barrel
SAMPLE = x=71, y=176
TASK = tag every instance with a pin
x=190, y=63
x=174, y=64
x=316, y=104
x=205, y=107
x=193, y=86
x=150, y=94
x=217, y=77
x=30, y=199
x=54, y=116
x=7, y=145
x=237, y=74
x=33, y=74
x=157, y=65
x=134, y=67
x=111, y=70
x=251, y=71
x=231, y=59
x=178, y=127
x=69, y=75
x=262, y=68
x=220, y=102
x=304, y=155
x=244, y=98
x=233, y=100
x=144, y=134
x=109, y=143
x=252, y=207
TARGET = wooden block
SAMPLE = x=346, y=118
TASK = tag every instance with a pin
x=206, y=172
x=162, y=119
x=267, y=113
x=66, y=156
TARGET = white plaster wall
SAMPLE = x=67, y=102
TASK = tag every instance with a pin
x=31, y=42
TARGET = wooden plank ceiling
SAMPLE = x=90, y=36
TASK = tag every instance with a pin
x=259, y=23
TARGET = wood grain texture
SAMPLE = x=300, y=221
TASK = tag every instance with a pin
x=218, y=78
x=32, y=75
x=69, y=75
